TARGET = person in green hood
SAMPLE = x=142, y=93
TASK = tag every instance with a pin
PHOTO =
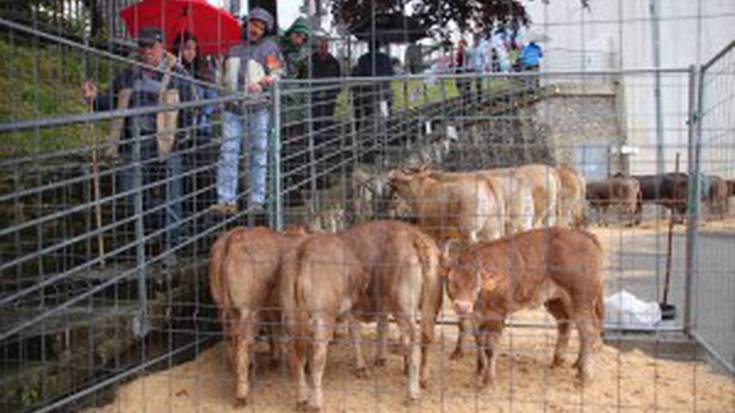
x=294, y=110
x=294, y=50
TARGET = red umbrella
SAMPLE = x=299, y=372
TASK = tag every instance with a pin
x=215, y=29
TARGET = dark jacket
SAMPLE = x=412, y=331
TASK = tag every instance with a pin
x=328, y=67
x=145, y=85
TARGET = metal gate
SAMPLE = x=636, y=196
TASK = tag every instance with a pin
x=714, y=278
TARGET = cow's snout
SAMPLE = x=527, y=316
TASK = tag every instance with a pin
x=462, y=307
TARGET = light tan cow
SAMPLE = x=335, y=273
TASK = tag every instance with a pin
x=244, y=272
x=375, y=268
x=557, y=267
x=573, y=196
x=545, y=187
x=469, y=210
x=518, y=197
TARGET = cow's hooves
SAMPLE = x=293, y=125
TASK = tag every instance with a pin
x=302, y=406
x=240, y=403
x=584, y=379
x=424, y=384
x=411, y=400
x=557, y=362
x=456, y=355
x=381, y=362
x=361, y=373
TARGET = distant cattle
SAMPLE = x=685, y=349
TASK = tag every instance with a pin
x=614, y=192
x=560, y=268
x=668, y=190
x=716, y=194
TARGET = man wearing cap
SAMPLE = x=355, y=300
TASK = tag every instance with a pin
x=138, y=141
x=255, y=116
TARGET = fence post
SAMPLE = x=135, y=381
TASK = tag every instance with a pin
x=277, y=215
x=140, y=329
x=694, y=136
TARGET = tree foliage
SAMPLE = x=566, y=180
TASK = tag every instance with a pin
x=435, y=15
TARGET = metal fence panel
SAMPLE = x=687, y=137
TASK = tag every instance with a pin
x=713, y=281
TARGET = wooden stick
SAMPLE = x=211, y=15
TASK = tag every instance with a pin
x=671, y=231
x=96, y=186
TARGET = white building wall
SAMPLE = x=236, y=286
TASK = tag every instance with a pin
x=617, y=34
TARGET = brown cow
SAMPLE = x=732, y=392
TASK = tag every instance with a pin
x=573, y=195
x=377, y=267
x=717, y=196
x=615, y=191
x=244, y=271
x=557, y=267
x=468, y=210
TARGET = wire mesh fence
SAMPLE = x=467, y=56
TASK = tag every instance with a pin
x=715, y=168
x=123, y=289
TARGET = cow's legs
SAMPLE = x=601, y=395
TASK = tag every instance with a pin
x=558, y=309
x=245, y=335
x=465, y=333
x=382, y=355
x=588, y=336
x=356, y=337
x=487, y=340
x=322, y=335
x=412, y=346
x=297, y=362
x=427, y=337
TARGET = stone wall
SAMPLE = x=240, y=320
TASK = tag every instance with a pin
x=577, y=116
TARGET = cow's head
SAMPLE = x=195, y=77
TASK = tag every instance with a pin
x=464, y=277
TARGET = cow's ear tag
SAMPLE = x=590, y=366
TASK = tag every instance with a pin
x=489, y=284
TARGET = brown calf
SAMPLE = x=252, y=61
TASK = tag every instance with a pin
x=557, y=267
x=370, y=270
x=244, y=272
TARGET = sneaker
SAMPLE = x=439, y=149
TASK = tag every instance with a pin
x=257, y=206
x=224, y=208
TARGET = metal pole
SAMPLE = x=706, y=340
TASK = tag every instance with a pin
x=142, y=318
x=277, y=220
x=670, y=238
x=656, y=35
x=696, y=93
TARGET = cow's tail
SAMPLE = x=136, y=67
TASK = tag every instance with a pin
x=293, y=301
x=600, y=311
x=217, y=285
x=431, y=291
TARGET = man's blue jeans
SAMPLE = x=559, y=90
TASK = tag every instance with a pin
x=229, y=165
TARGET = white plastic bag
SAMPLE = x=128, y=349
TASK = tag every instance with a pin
x=627, y=310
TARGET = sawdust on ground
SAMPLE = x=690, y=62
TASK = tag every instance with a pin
x=624, y=381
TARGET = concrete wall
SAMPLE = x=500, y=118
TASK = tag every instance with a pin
x=617, y=34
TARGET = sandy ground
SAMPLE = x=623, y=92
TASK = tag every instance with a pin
x=625, y=381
